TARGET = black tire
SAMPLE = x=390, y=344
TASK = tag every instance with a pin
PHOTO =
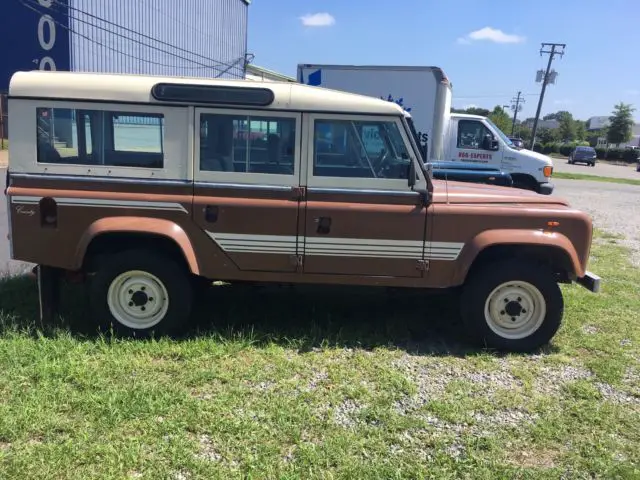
x=482, y=283
x=170, y=274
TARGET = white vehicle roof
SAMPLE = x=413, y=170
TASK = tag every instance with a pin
x=468, y=115
x=137, y=89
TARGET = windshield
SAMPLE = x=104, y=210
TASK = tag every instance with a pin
x=504, y=138
x=585, y=149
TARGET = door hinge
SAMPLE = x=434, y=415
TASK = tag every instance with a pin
x=298, y=193
x=296, y=260
x=422, y=265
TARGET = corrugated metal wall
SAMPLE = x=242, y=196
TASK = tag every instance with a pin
x=210, y=36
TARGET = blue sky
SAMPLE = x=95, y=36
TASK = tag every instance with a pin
x=601, y=65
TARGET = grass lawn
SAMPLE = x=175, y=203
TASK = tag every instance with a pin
x=324, y=383
x=595, y=178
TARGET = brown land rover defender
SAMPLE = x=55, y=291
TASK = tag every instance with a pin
x=152, y=184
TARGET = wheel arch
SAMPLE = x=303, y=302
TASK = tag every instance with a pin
x=554, y=250
x=113, y=234
x=526, y=180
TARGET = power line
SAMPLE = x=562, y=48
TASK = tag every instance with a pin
x=62, y=7
x=492, y=96
x=556, y=49
x=92, y=40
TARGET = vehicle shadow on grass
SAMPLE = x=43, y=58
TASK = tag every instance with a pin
x=302, y=317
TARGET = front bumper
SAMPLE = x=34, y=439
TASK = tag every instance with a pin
x=546, y=188
x=590, y=281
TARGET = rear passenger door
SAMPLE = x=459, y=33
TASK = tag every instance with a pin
x=361, y=217
x=246, y=190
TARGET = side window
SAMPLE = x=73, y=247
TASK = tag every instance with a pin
x=359, y=149
x=471, y=134
x=246, y=144
x=97, y=137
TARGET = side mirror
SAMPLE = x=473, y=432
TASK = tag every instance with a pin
x=411, y=180
x=494, y=145
x=486, y=142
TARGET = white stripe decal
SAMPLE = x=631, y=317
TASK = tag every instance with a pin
x=99, y=202
x=239, y=243
x=336, y=247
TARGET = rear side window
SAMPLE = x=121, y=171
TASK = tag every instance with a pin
x=99, y=137
x=247, y=144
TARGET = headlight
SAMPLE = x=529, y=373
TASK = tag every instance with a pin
x=547, y=171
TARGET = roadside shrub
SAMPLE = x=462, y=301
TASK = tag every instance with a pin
x=538, y=148
x=600, y=153
x=566, y=150
x=631, y=156
x=550, y=148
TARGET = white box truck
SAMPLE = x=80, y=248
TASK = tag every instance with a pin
x=425, y=92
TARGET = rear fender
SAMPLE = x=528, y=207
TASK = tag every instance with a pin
x=141, y=225
x=515, y=238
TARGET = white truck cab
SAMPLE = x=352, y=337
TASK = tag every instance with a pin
x=476, y=139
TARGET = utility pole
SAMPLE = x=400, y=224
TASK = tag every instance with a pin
x=516, y=108
x=556, y=49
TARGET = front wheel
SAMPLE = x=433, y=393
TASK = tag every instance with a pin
x=512, y=305
x=138, y=292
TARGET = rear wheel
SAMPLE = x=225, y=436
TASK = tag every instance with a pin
x=512, y=305
x=139, y=292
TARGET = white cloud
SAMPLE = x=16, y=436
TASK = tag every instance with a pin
x=317, y=20
x=471, y=105
x=492, y=35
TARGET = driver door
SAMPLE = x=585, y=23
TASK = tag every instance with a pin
x=472, y=143
x=360, y=215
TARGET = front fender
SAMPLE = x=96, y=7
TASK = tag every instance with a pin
x=160, y=227
x=491, y=238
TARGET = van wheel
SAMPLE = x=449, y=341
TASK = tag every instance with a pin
x=138, y=292
x=512, y=305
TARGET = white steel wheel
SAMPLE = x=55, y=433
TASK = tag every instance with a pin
x=515, y=310
x=138, y=299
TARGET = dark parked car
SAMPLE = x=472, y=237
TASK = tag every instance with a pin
x=583, y=155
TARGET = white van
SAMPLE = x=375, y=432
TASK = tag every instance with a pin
x=426, y=93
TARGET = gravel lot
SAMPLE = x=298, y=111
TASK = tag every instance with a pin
x=613, y=207
x=602, y=169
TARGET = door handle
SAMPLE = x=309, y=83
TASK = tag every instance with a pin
x=324, y=225
x=211, y=213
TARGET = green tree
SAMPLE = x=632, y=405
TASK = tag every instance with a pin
x=523, y=132
x=567, y=128
x=581, y=130
x=501, y=119
x=547, y=135
x=621, y=124
x=559, y=115
x=484, y=112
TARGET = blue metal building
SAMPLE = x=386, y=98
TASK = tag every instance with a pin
x=201, y=38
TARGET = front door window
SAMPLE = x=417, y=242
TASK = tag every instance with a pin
x=473, y=142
